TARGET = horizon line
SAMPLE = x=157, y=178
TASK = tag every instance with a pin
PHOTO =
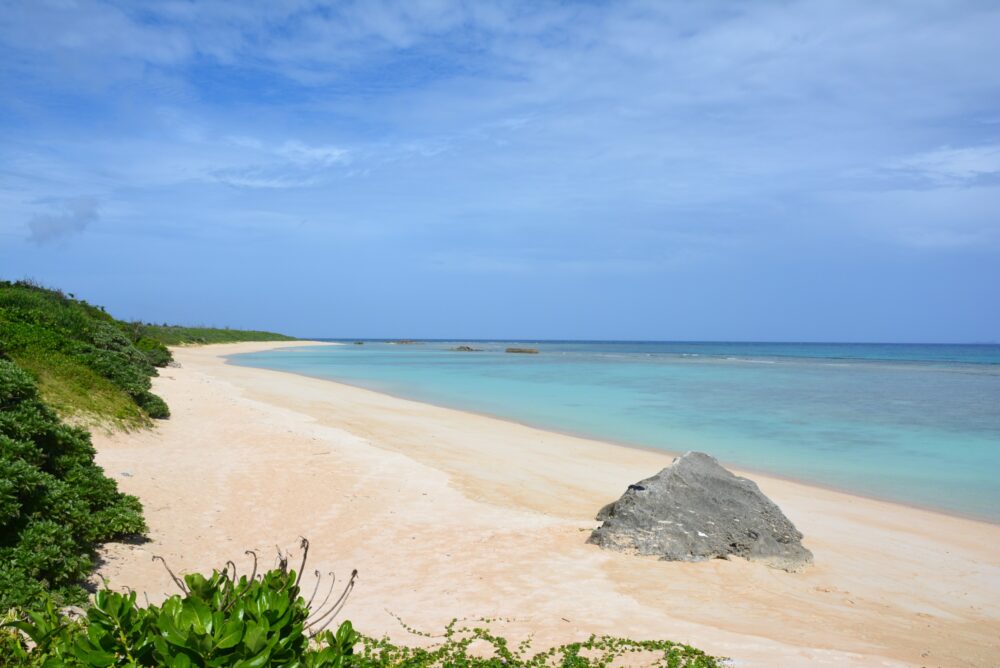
x=720, y=341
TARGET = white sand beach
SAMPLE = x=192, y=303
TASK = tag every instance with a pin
x=449, y=514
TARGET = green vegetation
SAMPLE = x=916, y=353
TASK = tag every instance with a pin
x=175, y=335
x=467, y=647
x=264, y=621
x=216, y=621
x=88, y=365
x=55, y=503
x=60, y=355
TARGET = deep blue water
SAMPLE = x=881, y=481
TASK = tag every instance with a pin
x=918, y=424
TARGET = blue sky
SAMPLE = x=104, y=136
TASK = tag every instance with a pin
x=652, y=170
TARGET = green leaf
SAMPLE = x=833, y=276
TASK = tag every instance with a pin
x=92, y=657
x=187, y=618
x=346, y=637
x=170, y=632
x=180, y=661
x=202, y=615
x=231, y=634
x=258, y=661
x=254, y=637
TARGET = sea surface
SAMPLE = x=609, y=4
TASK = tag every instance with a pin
x=918, y=424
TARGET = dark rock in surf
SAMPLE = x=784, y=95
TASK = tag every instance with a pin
x=695, y=510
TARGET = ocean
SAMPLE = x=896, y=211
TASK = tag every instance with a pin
x=917, y=424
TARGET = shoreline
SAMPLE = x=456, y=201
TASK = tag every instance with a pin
x=452, y=514
x=739, y=469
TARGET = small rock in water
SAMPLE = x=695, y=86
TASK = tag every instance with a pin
x=695, y=510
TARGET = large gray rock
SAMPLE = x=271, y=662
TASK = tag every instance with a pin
x=695, y=510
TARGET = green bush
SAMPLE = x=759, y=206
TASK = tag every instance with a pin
x=154, y=406
x=157, y=353
x=71, y=346
x=56, y=504
x=67, y=344
x=216, y=621
x=264, y=621
x=176, y=335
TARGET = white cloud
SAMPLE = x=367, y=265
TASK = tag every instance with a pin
x=305, y=155
x=256, y=178
x=246, y=142
x=951, y=165
x=689, y=111
x=78, y=213
x=290, y=164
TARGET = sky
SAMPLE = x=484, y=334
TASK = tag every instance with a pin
x=787, y=171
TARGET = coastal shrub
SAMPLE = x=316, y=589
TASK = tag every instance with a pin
x=249, y=623
x=176, y=335
x=70, y=346
x=157, y=353
x=131, y=377
x=154, y=406
x=87, y=363
x=218, y=620
x=56, y=504
x=264, y=620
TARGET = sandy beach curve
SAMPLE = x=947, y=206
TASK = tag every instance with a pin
x=450, y=514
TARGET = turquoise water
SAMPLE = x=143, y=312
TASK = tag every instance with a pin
x=918, y=424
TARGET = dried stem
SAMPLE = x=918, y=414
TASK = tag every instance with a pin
x=319, y=617
x=304, y=544
x=282, y=561
x=328, y=616
x=333, y=581
x=180, y=583
x=254, y=555
x=315, y=589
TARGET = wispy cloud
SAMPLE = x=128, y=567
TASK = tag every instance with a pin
x=261, y=178
x=77, y=215
x=290, y=164
x=303, y=154
x=951, y=166
x=611, y=138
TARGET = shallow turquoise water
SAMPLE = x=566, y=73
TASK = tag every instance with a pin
x=913, y=423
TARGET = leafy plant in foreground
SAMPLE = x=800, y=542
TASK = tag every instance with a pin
x=219, y=620
x=264, y=620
